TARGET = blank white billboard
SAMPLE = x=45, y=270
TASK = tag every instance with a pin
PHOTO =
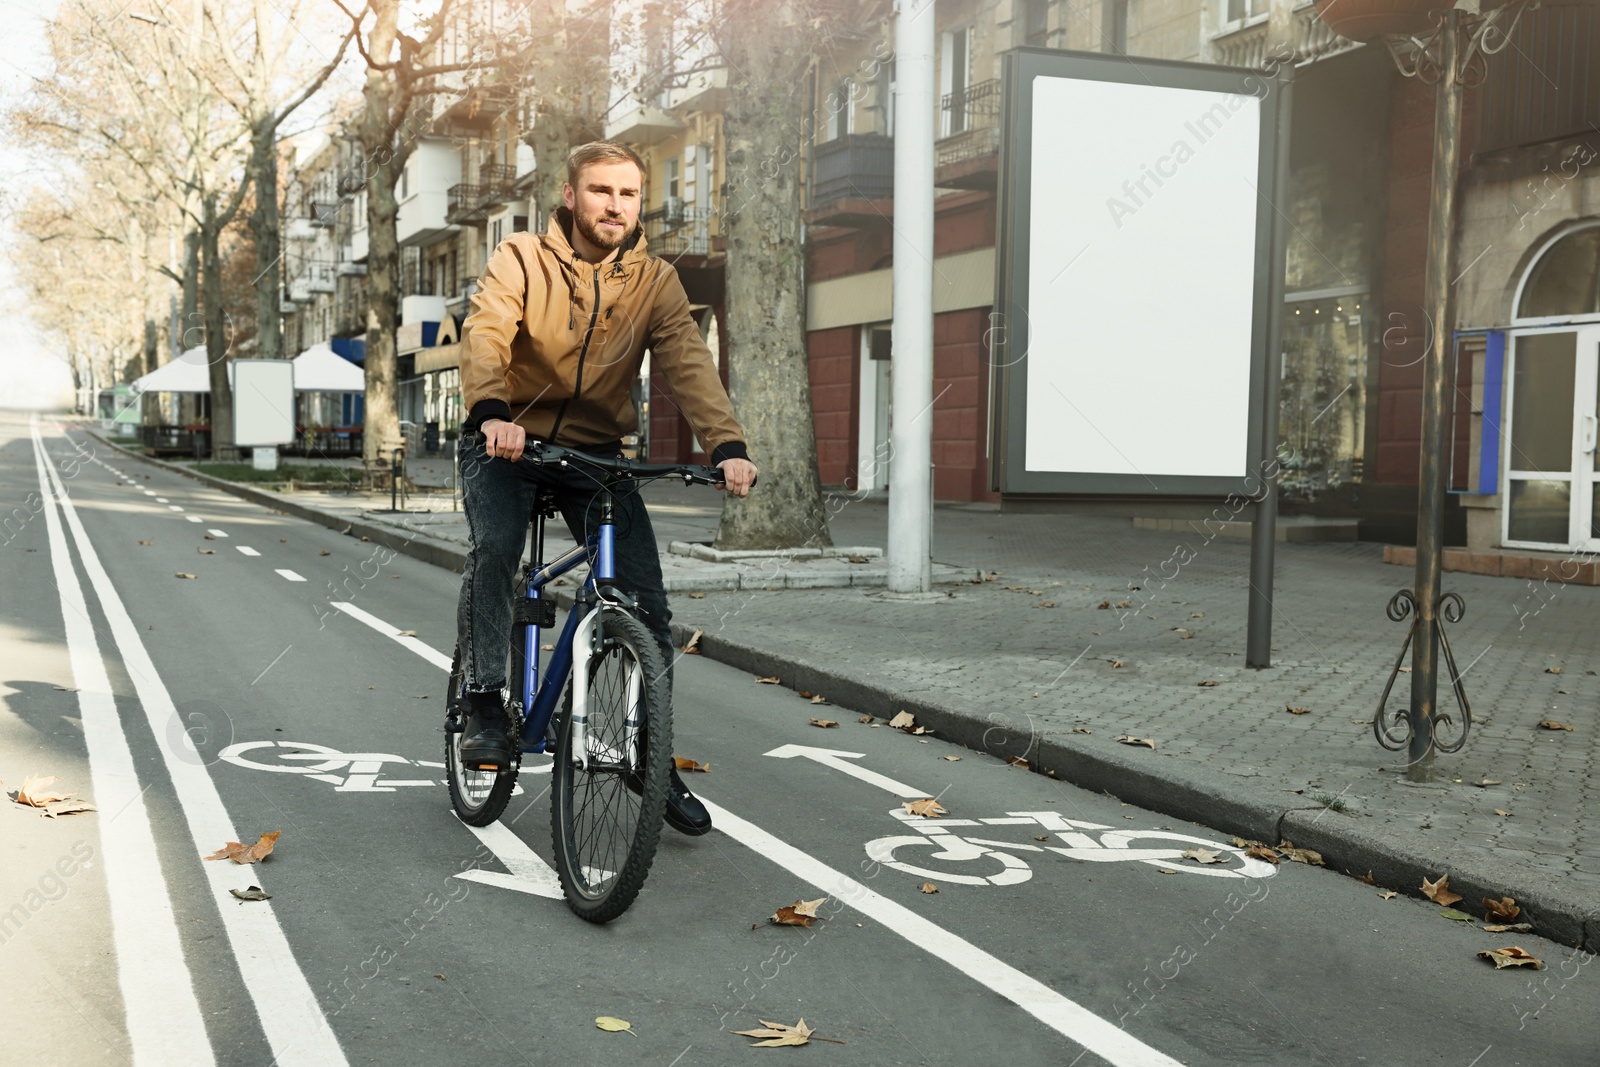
x=1142, y=263
x=263, y=402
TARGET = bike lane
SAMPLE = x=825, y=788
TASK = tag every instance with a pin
x=1201, y=968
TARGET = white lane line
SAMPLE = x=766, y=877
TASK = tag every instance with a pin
x=173, y=507
x=1066, y=1017
x=192, y=518
x=162, y=500
x=427, y=652
x=288, y=575
x=295, y=1027
x=163, y=1015
x=247, y=550
x=216, y=533
x=149, y=492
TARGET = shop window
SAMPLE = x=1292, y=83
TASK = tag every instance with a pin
x=1566, y=280
x=1322, y=410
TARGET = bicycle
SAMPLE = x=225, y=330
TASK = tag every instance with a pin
x=613, y=735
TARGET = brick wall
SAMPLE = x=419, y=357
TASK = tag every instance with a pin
x=960, y=407
x=834, y=356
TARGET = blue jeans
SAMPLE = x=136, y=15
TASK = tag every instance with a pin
x=498, y=496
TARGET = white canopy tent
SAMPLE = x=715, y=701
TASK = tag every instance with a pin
x=319, y=369
x=188, y=373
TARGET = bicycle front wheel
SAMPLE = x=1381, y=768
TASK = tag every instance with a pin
x=606, y=809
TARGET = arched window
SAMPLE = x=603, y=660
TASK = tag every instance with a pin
x=1565, y=280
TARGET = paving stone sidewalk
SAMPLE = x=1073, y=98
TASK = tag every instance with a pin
x=1029, y=663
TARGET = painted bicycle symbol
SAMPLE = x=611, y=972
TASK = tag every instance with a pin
x=996, y=862
x=347, y=772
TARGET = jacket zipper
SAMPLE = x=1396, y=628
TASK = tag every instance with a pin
x=583, y=353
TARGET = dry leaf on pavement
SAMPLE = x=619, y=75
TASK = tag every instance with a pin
x=1439, y=892
x=253, y=893
x=683, y=763
x=613, y=1025
x=1367, y=878
x=1145, y=741
x=1256, y=850
x=1082, y=730
x=206, y=551
x=1502, y=812
x=1503, y=910
x=1503, y=928
x=145, y=542
x=824, y=723
x=929, y=887
x=1455, y=916
x=1202, y=855
x=903, y=721
x=865, y=718
x=1045, y=604
x=1124, y=603
x=324, y=552
x=1301, y=855
x=1297, y=711
x=67, y=807
x=1388, y=894
x=183, y=574
x=928, y=808
x=777, y=1034
x=809, y=907
x=36, y=791
x=1207, y=684
x=820, y=699
x=240, y=853
x=804, y=694
x=1486, y=783
x=1105, y=605
x=952, y=759
x=1017, y=761
x=800, y=913
x=1551, y=724
x=1117, y=663
x=696, y=596
x=1511, y=956
x=769, y=681
x=1552, y=670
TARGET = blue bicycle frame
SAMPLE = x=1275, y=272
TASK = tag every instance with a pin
x=539, y=701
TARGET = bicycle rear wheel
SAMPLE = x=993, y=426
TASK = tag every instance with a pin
x=479, y=797
x=606, y=819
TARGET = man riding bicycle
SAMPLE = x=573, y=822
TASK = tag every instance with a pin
x=558, y=330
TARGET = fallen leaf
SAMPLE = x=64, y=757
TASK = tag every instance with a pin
x=1486, y=783
x=777, y=1034
x=820, y=699
x=406, y=633
x=1045, y=604
x=865, y=718
x=67, y=807
x=1388, y=894
x=1551, y=724
x=857, y=559
x=903, y=721
x=64, y=688
x=441, y=977
x=1455, y=916
x=1552, y=670
x=1302, y=855
x=1165, y=870
x=683, y=763
x=1041, y=837
x=697, y=596
x=805, y=693
x=1367, y=878
x=1502, y=812
x=1298, y=711
x=769, y=681
x=692, y=646
x=1439, y=892
x=1503, y=910
x=1185, y=637
x=240, y=853
x=928, y=808
x=548, y=648
x=919, y=731
x=800, y=913
x=1017, y=761
x=183, y=574
x=145, y=542
x=824, y=723
x=1082, y=730
x=1502, y=928
x=1105, y=605
x=1117, y=663
x=1145, y=741
x=1202, y=855
x=206, y=551
x=324, y=552
x=809, y=907
x=1197, y=614
x=253, y=893
x=36, y=791
x=1124, y=603
x=929, y=887
x=952, y=759
x=1207, y=685
x=1240, y=842
x=1257, y=850
x=1511, y=957
x=612, y=1025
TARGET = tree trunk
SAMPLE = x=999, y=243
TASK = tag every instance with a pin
x=767, y=363
x=189, y=332
x=264, y=225
x=216, y=335
x=386, y=156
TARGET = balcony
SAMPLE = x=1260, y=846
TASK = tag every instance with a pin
x=349, y=265
x=967, y=154
x=477, y=108
x=464, y=204
x=1246, y=45
x=644, y=124
x=312, y=277
x=497, y=183
x=322, y=214
x=678, y=230
x=847, y=175
x=351, y=179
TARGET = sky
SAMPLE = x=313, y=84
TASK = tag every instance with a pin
x=33, y=373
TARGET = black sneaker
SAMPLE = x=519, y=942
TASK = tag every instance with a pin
x=685, y=813
x=485, y=742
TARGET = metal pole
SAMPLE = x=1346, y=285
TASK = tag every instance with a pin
x=1435, y=395
x=911, y=395
x=1264, y=527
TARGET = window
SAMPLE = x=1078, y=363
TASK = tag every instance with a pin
x=405, y=182
x=672, y=190
x=1119, y=26
x=1238, y=10
x=841, y=109
x=1036, y=28
x=499, y=226
x=886, y=85
x=1566, y=278
x=955, y=75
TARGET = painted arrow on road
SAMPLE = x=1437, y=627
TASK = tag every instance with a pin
x=529, y=873
x=829, y=757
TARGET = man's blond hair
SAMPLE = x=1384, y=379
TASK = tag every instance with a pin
x=586, y=155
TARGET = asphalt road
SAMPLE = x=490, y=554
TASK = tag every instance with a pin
x=241, y=700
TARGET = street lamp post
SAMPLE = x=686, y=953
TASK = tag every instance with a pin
x=1451, y=57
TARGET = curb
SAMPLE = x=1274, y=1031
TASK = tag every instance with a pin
x=1395, y=859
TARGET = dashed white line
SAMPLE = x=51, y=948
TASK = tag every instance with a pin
x=162, y=500
x=247, y=550
x=216, y=533
x=173, y=507
x=289, y=576
x=149, y=492
x=192, y=518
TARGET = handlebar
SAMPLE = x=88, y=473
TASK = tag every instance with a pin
x=543, y=454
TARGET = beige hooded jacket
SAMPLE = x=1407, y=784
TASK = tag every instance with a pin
x=555, y=344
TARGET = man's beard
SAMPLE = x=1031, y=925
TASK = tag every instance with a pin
x=589, y=226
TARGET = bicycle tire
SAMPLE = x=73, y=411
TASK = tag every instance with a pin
x=479, y=797
x=601, y=875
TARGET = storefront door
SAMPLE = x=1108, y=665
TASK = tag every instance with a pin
x=1552, y=465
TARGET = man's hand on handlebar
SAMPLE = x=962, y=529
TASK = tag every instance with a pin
x=503, y=439
x=739, y=475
